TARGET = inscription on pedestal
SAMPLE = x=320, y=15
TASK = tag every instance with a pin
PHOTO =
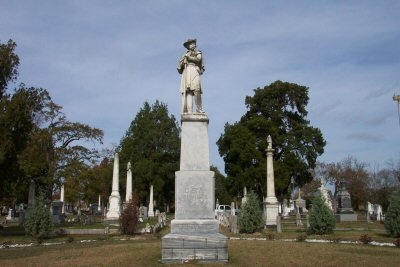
x=194, y=195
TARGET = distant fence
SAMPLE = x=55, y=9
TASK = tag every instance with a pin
x=292, y=223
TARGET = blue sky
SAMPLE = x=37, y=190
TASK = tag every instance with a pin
x=101, y=60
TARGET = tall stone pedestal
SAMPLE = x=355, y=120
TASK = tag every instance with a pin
x=114, y=210
x=271, y=204
x=194, y=231
x=271, y=212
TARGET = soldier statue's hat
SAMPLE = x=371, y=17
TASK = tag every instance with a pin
x=188, y=42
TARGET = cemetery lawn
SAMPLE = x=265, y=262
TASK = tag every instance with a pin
x=267, y=248
x=146, y=251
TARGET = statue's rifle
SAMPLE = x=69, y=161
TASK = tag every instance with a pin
x=185, y=85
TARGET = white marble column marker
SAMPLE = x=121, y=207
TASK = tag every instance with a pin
x=151, y=205
x=128, y=183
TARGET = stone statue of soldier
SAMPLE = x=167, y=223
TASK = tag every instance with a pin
x=191, y=66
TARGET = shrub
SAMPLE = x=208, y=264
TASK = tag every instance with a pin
x=392, y=217
x=397, y=242
x=365, y=239
x=321, y=219
x=130, y=216
x=301, y=238
x=270, y=236
x=251, y=217
x=39, y=223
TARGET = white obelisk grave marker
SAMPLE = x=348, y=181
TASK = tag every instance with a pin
x=151, y=203
x=62, y=199
x=128, y=195
x=114, y=210
x=271, y=205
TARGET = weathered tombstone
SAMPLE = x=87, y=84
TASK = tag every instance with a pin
x=114, y=210
x=374, y=212
x=344, y=210
x=24, y=213
x=10, y=215
x=271, y=204
x=244, y=198
x=285, y=208
x=325, y=194
x=93, y=208
x=148, y=228
x=31, y=195
x=378, y=211
x=57, y=215
x=300, y=204
x=194, y=231
x=143, y=212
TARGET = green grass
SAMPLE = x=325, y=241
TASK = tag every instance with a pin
x=145, y=250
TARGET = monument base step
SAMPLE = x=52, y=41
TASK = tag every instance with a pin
x=195, y=227
x=178, y=248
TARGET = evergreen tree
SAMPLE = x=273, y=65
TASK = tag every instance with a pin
x=279, y=110
x=251, y=215
x=392, y=217
x=152, y=145
x=39, y=223
x=322, y=221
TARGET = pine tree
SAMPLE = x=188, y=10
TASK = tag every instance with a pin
x=322, y=221
x=251, y=217
x=392, y=218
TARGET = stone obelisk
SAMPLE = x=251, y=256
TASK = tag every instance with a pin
x=99, y=205
x=194, y=231
x=62, y=199
x=128, y=195
x=114, y=210
x=271, y=205
x=151, y=203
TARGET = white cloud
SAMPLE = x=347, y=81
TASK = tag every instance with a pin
x=101, y=61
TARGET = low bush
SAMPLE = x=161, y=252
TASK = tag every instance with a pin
x=321, y=219
x=365, y=239
x=39, y=223
x=301, y=238
x=251, y=216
